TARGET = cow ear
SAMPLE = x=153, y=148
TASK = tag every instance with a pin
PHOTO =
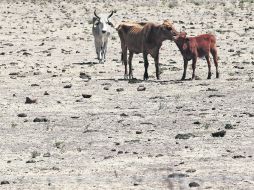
x=111, y=24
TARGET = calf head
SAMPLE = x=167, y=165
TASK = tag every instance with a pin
x=181, y=40
x=103, y=23
x=167, y=30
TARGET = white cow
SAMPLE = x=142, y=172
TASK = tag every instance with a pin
x=101, y=32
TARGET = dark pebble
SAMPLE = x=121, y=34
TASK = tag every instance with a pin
x=22, y=115
x=184, y=136
x=219, y=134
x=5, y=182
x=86, y=95
x=194, y=184
x=37, y=119
x=30, y=101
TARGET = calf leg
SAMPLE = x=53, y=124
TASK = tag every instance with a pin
x=146, y=64
x=184, y=68
x=157, y=66
x=130, y=64
x=215, y=59
x=209, y=66
x=194, y=61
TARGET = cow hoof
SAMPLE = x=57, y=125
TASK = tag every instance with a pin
x=146, y=76
x=217, y=75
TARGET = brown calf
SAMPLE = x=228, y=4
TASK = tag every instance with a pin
x=144, y=38
x=200, y=46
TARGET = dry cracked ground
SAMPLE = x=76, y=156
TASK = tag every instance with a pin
x=67, y=122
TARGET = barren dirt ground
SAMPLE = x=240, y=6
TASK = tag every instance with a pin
x=122, y=138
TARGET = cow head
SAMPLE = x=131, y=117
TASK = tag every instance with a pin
x=168, y=30
x=181, y=40
x=103, y=23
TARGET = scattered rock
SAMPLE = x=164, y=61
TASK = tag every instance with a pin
x=123, y=115
x=184, y=136
x=5, y=182
x=219, y=134
x=119, y=89
x=177, y=175
x=22, y=115
x=141, y=88
x=238, y=156
x=84, y=76
x=46, y=93
x=30, y=161
x=30, y=101
x=216, y=95
x=35, y=85
x=194, y=184
x=196, y=122
x=35, y=154
x=190, y=170
x=43, y=119
x=68, y=86
x=106, y=88
x=228, y=126
x=46, y=154
x=138, y=132
x=86, y=95
x=159, y=155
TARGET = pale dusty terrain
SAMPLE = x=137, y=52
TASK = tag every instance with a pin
x=123, y=139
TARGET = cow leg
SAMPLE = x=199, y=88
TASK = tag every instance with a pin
x=130, y=64
x=124, y=60
x=146, y=64
x=157, y=66
x=209, y=66
x=105, y=51
x=215, y=59
x=194, y=61
x=184, y=69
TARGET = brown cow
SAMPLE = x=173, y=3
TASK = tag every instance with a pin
x=144, y=38
x=200, y=46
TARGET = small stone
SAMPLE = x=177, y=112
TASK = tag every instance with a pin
x=177, y=175
x=123, y=115
x=138, y=132
x=43, y=119
x=46, y=154
x=106, y=88
x=190, y=170
x=46, y=93
x=141, y=88
x=68, y=86
x=194, y=184
x=30, y=101
x=228, y=126
x=238, y=156
x=35, y=85
x=5, y=182
x=84, y=76
x=197, y=123
x=219, y=134
x=30, y=161
x=184, y=136
x=22, y=115
x=119, y=89
x=86, y=95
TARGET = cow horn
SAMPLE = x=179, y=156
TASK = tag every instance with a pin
x=112, y=12
x=96, y=14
